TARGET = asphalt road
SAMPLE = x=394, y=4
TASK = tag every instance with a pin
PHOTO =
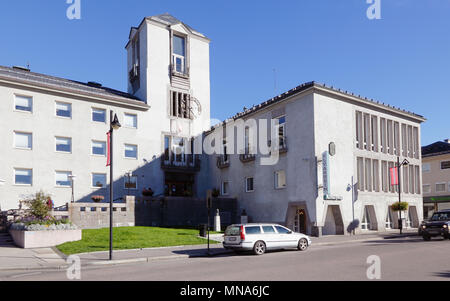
x=400, y=259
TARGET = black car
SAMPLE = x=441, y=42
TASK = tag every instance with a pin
x=437, y=225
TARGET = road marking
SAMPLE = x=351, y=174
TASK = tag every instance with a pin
x=25, y=275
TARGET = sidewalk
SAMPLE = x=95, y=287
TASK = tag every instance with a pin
x=12, y=258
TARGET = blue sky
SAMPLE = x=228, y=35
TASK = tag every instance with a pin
x=402, y=59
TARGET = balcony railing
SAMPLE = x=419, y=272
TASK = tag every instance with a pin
x=182, y=71
x=191, y=163
x=223, y=161
x=247, y=157
x=280, y=147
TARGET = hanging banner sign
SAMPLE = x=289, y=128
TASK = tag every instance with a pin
x=394, y=175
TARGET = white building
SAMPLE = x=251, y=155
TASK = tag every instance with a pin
x=53, y=128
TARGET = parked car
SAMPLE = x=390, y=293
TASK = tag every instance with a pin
x=261, y=237
x=437, y=225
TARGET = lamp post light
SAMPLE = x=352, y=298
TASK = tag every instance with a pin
x=404, y=163
x=72, y=178
x=114, y=125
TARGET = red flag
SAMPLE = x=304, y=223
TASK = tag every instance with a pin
x=394, y=175
x=108, y=160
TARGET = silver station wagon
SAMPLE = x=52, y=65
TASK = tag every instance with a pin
x=261, y=237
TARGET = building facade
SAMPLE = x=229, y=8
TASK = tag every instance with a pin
x=323, y=137
x=293, y=159
x=436, y=177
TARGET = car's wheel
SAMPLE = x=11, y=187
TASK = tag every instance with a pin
x=259, y=248
x=302, y=244
x=426, y=237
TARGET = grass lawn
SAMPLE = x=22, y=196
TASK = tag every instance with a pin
x=132, y=238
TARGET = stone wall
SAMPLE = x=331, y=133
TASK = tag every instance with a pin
x=181, y=211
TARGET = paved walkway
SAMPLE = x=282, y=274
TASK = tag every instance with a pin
x=13, y=258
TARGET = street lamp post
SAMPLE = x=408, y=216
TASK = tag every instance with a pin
x=114, y=125
x=72, y=178
x=404, y=163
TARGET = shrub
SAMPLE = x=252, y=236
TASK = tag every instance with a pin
x=38, y=205
x=402, y=206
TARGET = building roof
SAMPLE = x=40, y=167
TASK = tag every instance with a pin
x=168, y=19
x=24, y=76
x=323, y=87
x=436, y=149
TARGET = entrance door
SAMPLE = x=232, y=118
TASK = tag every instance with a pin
x=300, y=221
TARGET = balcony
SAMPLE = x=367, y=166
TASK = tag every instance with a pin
x=179, y=70
x=190, y=163
x=223, y=161
x=247, y=157
x=281, y=147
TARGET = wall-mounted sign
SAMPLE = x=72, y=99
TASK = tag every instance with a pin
x=332, y=149
x=326, y=174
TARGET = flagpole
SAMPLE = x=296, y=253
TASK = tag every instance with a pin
x=400, y=223
x=111, y=183
x=353, y=204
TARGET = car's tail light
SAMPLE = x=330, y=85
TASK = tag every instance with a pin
x=242, y=233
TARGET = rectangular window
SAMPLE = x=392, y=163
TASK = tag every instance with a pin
x=98, y=115
x=23, y=140
x=426, y=188
x=411, y=179
x=376, y=176
x=225, y=186
x=23, y=103
x=99, y=148
x=179, y=54
x=384, y=176
x=368, y=174
x=131, y=182
x=445, y=165
x=405, y=182
x=366, y=132
x=63, y=144
x=417, y=179
x=281, y=132
x=426, y=167
x=249, y=185
x=416, y=149
x=374, y=132
x=410, y=141
x=383, y=135
x=359, y=135
x=63, y=109
x=360, y=173
x=441, y=187
x=390, y=137
x=131, y=151
x=404, y=141
x=23, y=176
x=396, y=138
x=63, y=178
x=280, y=179
x=130, y=120
x=98, y=180
x=180, y=105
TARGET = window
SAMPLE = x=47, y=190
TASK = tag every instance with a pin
x=280, y=179
x=268, y=229
x=23, y=176
x=365, y=223
x=366, y=138
x=376, y=176
x=390, y=138
x=130, y=120
x=404, y=141
x=253, y=230
x=383, y=135
x=368, y=175
x=360, y=173
x=130, y=151
x=282, y=230
x=98, y=115
x=63, y=109
x=374, y=132
x=410, y=141
x=359, y=143
x=405, y=182
x=23, y=140
x=416, y=142
x=180, y=105
x=131, y=182
x=98, y=180
x=417, y=179
x=426, y=167
x=426, y=188
x=63, y=144
x=179, y=54
x=384, y=176
x=396, y=139
x=63, y=178
x=225, y=186
x=445, y=165
x=411, y=179
x=247, y=140
x=249, y=185
x=281, y=132
x=23, y=103
x=99, y=148
x=441, y=187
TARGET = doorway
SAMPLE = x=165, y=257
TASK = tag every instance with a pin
x=300, y=221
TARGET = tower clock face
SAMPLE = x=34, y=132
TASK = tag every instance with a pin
x=196, y=107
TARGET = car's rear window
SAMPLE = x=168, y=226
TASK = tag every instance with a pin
x=282, y=230
x=232, y=231
x=268, y=229
x=253, y=230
